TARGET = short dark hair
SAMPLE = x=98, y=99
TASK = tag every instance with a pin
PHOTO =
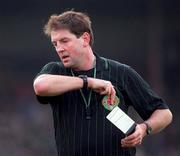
x=76, y=22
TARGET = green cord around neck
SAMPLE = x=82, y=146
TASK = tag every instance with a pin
x=87, y=104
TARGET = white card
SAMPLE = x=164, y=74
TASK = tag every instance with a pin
x=120, y=119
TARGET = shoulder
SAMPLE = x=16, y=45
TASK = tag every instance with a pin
x=53, y=68
x=116, y=70
x=53, y=65
x=127, y=70
x=113, y=66
x=121, y=67
x=117, y=63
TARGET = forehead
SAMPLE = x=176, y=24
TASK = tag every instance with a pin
x=60, y=34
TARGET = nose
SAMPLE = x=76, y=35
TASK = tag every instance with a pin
x=59, y=48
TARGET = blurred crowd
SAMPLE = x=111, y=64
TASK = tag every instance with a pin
x=26, y=128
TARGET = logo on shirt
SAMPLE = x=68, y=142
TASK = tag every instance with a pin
x=106, y=102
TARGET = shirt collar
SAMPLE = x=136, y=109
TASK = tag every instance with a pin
x=101, y=63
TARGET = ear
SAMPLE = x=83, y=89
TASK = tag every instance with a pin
x=86, y=39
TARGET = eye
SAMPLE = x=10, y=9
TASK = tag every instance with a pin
x=65, y=40
x=54, y=44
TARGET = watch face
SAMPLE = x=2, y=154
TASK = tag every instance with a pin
x=149, y=129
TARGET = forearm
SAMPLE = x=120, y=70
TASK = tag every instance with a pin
x=159, y=120
x=52, y=85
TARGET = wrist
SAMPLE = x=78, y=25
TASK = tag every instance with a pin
x=90, y=82
x=143, y=128
x=148, y=128
x=85, y=81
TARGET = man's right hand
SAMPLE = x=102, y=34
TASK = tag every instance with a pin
x=102, y=87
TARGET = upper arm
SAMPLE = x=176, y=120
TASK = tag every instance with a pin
x=142, y=97
x=53, y=68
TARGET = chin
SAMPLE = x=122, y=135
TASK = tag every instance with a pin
x=67, y=65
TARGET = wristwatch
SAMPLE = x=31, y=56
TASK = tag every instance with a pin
x=148, y=128
x=85, y=81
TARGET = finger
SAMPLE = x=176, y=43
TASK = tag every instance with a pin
x=112, y=95
x=109, y=90
x=130, y=137
x=131, y=141
x=104, y=91
x=131, y=144
x=134, y=135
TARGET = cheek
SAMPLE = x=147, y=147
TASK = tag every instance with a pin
x=75, y=51
x=76, y=54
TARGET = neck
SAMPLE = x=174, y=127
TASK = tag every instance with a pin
x=89, y=61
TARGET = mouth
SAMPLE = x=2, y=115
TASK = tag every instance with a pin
x=65, y=58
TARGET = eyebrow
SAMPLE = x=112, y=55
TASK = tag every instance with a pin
x=64, y=38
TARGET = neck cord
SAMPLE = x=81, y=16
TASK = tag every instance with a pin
x=87, y=104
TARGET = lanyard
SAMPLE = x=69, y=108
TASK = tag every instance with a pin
x=87, y=104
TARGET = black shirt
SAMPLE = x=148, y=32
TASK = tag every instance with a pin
x=77, y=136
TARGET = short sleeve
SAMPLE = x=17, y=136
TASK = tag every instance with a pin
x=144, y=100
x=54, y=68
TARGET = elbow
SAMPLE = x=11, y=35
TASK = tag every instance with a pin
x=40, y=86
x=170, y=116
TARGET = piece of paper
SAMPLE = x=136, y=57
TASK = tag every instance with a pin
x=120, y=119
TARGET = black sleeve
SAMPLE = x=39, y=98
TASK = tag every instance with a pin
x=54, y=68
x=144, y=100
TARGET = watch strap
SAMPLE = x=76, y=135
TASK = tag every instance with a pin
x=148, y=128
x=85, y=81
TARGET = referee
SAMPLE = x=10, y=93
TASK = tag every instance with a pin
x=82, y=88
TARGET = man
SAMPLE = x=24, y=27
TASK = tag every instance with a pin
x=81, y=88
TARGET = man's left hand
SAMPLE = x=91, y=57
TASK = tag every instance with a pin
x=135, y=138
